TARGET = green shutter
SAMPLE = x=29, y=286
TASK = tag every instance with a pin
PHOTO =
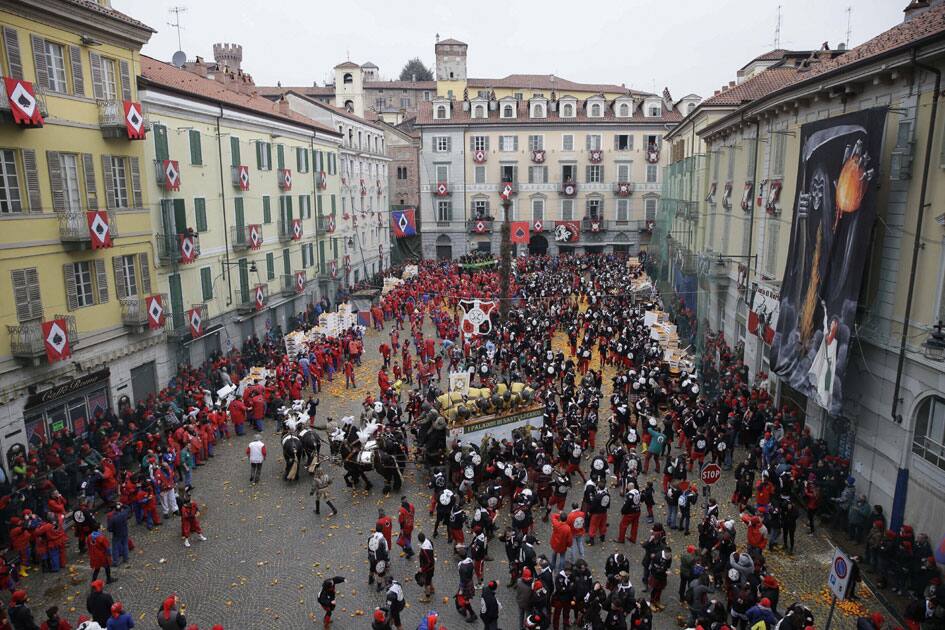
x=234, y=151
x=268, y=156
x=244, y=279
x=160, y=142
x=200, y=209
x=333, y=203
x=267, y=210
x=177, y=300
x=280, y=156
x=206, y=283
x=286, y=262
x=321, y=255
x=259, y=152
x=270, y=266
x=196, y=155
x=240, y=214
x=319, y=205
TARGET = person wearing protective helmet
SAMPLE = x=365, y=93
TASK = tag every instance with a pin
x=630, y=515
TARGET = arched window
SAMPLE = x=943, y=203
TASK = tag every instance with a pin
x=539, y=111
x=568, y=110
x=691, y=107
x=347, y=78
x=928, y=441
x=441, y=111
x=624, y=109
x=480, y=112
x=595, y=110
x=507, y=111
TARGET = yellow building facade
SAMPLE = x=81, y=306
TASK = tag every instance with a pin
x=81, y=60
x=252, y=178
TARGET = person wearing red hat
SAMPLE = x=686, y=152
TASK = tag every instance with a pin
x=20, y=614
x=380, y=620
x=99, y=603
x=761, y=612
x=874, y=622
x=169, y=616
x=120, y=619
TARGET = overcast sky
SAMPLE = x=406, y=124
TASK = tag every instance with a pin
x=687, y=45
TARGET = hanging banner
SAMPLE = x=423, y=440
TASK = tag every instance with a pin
x=405, y=222
x=519, y=232
x=195, y=320
x=255, y=236
x=56, y=340
x=296, y=229
x=243, y=176
x=155, y=307
x=763, y=312
x=566, y=231
x=835, y=207
x=476, y=320
x=188, y=251
x=100, y=232
x=299, y=281
x=23, y=104
x=134, y=121
x=171, y=174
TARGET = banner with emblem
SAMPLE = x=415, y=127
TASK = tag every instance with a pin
x=476, y=316
x=519, y=232
x=243, y=176
x=56, y=340
x=299, y=281
x=134, y=120
x=505, y=192
x=171, y=171
x=100, y=232
x=404, y=222
x=188, y=250
x=260, y=298
x=479, y=156
x=195, y=321
x=296, y=229
x=255, y=236
x=566, y=231
x=23, y=104
x=154, y=305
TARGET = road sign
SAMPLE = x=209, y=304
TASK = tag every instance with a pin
x=839, y=574
x=710, y=474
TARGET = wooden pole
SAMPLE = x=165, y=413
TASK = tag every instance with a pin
x=505, y=263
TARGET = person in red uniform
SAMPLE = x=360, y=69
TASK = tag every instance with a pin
x=188, y=521
x=385, y=353
x=386, y=525
x=405, y=518
x=100, y=555
x=349, y=375
x=238, y=415
x=383, y=381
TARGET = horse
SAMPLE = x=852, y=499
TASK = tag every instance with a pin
x=311, y=444
x=352, y=460
x=292, y=453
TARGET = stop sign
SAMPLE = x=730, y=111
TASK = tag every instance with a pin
x=711, y=473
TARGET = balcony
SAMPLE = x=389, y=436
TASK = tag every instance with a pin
x=111, y=119
x=179, y=325
x=324, y=225
x=74, y=229
x=246, y=237
x=567, y=189
x=593, y=225
x=246, y=302
x=134, y=312
x=38, y=92
x=623, y=189
x=27, y=343
x=239, y=176
x=285, y=230
x=442, y=189
x=513, y=185
x=288, y=284
x=168, y=247
x=479, y=226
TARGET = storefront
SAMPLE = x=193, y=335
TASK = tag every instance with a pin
x=66, y=407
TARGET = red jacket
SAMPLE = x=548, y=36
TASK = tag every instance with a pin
x=405, y=518
x=561, y=536
x=238, y=411
x=100, y=553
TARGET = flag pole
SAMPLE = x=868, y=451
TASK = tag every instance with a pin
x=505, y=262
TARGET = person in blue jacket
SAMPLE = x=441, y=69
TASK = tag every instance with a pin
x=117, y=523
x=762, y=612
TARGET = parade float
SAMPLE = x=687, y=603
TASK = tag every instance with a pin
x=473, y=413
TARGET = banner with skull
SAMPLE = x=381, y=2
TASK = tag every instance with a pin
x=476, y=316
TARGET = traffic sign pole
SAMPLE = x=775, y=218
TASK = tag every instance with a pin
x=833, y=605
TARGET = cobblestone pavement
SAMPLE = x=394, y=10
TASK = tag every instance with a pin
x=268, y=553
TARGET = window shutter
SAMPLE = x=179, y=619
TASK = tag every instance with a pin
x=240, y=214
x=98, y=85
x=449, y=144
x=487, y=142
x=234, y=151
x=515, y=173
x=531, y=175
x=91, y=191
x=35, y=297
x=55, y=181
x=600, y=173
x=145, y=267
x=616, y=144
x=259, y=155
x=472, y=143
x=200, y=211
x=298, y=159
x=125, y=73
x=26, y=294
x=196, y=154
x=109, y=182
x=136, y=196
x=267, y=210
x=78, y=81
x=280, y=156
x=268, y=148
x=101, y=280
x=32, y=180
x=11, y=45
x=587, y=173
x=587, y=142
x=39, y=60
x=72, y=297
x=118, y=268
x=160, y=143
x=515, y=143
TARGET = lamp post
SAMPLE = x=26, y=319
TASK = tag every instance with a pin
x=505, y=262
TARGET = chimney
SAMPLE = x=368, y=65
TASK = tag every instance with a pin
x=731, y=84
x=716, y=93
x=283, y=106
x=915, y=8
x=413, y=76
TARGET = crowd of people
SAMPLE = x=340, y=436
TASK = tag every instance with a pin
x=584, y=473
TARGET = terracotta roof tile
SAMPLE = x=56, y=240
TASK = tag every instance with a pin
x=451, y=42
x=761, y=84
x=548, y=82
x=110, y=12
x=425, y=117
x=160, y=74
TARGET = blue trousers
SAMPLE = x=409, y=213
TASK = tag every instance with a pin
x=119, y=550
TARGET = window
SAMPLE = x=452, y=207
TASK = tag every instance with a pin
x=200, y=212
x=442, y=172
x=651, y=171
x=508, y=172
x=196, y=154
x=9, y=184
x=538, y=111
x=508, y=143
x=568, y=172
x=426, y=95
x=109, y=85
x=567, y=142
x=441, y=111
x=595, y=173
x=773, y=228
x=929, y=438
x=26, y=294
x=264, y=156
x=302, y=159
x=441, y=144
x=126, y=282
x=480, y=143
x=55, y=67
x=206, y=283
x=69, y=168
x=592, y=142
x=567, y=111
x=401, y=172
x=444, y=210
x=536, y=143
x=234, y=151
x=777, y=159
x=623, y=172
x=380, y=102
x=595, y=207
x=653, y=111
x=479, y=173
x=595, y=110
x=347, y=78
x=305, y=207
x=480, y=208
x=119, y=183
x=623, y=110
x=623, y=142
x=404, y=102
x=623, y=210
x=508, y=111
x=537, y=174
x=479, y=111
x=270, y=266
x=267, y=209
x=649, y=206
x=538, y=209
x=567, y=209
x=84, y=288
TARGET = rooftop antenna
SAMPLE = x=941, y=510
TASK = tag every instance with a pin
x=849, y=25
x=176, y=24
x=777, y=30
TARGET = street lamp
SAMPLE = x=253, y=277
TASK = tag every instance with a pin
x=934, y=346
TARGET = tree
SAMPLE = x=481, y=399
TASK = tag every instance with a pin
x=414, y=70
